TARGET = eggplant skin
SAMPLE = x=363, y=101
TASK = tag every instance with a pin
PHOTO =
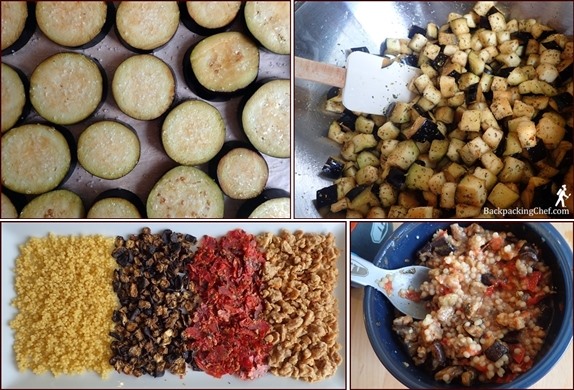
x=326, y=196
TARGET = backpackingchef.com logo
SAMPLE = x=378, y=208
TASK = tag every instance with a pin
x=559, y=209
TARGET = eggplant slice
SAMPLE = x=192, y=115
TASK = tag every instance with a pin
x=269, y=22
x=18, y=25
x=108, y=149
x=79, y=24
x=117, y=203
x=15, y=102
x=55, y=204
x=185, y=192
x=143, y=87
x=209, y=17
x=271, y=203
x=242, y=173
x=144, y=26
x=221, y=66
x=36, y=158
x=266, y=118
x=66, y=88
x=193, y=132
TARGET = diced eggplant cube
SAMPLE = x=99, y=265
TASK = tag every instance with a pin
x=439, y=61
x=552, y=45
x=397, y=178
x=522, y=36
x=423, y=129
x=348, y=119
x=411, y=60
x=561, y=102
x=471, y=93
x=545, y=34
x=333, y=169
x=416, y=30
x=326, y=196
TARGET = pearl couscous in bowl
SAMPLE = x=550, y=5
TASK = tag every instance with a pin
x=456, y=344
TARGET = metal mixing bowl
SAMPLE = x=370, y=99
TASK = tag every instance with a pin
x=325, y=31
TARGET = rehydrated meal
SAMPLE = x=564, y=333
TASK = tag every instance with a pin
x=489, y=295
x=65, y=301
x=300, y=276
x=490, y=126
x=228, y=331
x=156, y=302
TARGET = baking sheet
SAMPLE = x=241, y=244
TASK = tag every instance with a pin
x=15, y=234
x=154, y=162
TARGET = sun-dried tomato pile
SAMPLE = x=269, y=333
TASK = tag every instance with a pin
x=228, y=328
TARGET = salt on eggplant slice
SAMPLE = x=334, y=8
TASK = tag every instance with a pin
x=108, y=149
x=265, y=118
x=271, y=203
x=209, y=17
x=15, y=100
x=269, y=22
x=36, y=158
x=193, y=132
x=77, y=25
x=143, y=87
x=221, y=66
x=185, y=192
x=55, y=204
x=7, y=208
x=145, y=26
x=18, y=25
x=117, y=203
x=242, y=173
x=54, y=91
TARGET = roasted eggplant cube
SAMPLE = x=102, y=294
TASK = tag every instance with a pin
x=439, y=61
x=348, y=119
x=333, y=169
x=562, y=102
x=326, y=196
x=423, y=130
x=471, y=93
x=363, y=49
x=537, y=152
x=564, y=75
x=397, y=178
x=411, y=60
x=416, y=30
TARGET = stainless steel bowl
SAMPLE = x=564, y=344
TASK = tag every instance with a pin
x=325, y=31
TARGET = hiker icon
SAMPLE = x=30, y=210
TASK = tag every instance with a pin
x=562, y=196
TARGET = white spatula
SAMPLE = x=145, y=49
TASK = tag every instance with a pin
x=370, y=83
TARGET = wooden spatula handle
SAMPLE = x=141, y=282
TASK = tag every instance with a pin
x=319, y=72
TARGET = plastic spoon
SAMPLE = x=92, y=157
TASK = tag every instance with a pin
x=370, y=83
x=365, y=273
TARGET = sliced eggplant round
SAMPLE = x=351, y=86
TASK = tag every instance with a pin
x=271, y=203
x=185, y=192
x=108, y=149
x=117, y=203
x=8, y=210
x=242, y=173
x=143, y=87
x=269, y=22
x=18, y=25
x=266, y=118
x=209, y=17
x=15, y=103
x=55, y=204
x=221, y=66
x=193, y=132
x=66, y=88
x=77, y=24
x=143, y=26
x=36, y=158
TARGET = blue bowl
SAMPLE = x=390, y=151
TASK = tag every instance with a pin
x=400, y=250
